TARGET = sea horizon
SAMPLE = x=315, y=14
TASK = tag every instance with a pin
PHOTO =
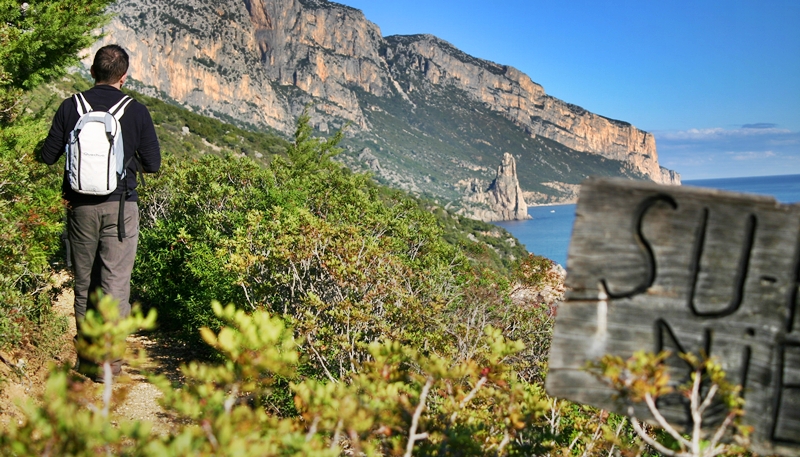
x=548, y=231
x=739, y=177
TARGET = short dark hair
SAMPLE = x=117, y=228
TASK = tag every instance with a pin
x=110, y=63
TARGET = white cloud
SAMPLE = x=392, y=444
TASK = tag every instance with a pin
x=759, y=125
x=751, y=150
x=715, y=134
x=752, y=155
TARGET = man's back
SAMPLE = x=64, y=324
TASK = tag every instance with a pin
x=138, y=134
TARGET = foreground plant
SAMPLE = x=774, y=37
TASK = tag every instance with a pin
x=75, y=416
x=644, y=378
x=257, y=398
x=397, y=403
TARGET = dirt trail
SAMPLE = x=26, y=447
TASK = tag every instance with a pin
x=164, y=356
x=141, y=403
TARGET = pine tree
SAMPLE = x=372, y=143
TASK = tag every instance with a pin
x=39, y=39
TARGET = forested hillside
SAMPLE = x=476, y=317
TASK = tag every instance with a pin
x=357, y=279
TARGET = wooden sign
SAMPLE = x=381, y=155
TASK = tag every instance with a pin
x=654, y=267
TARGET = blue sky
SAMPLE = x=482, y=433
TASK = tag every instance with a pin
x=716, y=82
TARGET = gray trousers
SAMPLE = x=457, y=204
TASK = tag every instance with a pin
x=99, y=258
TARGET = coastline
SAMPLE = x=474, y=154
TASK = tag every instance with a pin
x=548, y=233
x=565, y=202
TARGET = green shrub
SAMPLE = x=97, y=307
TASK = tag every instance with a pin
x=69, y=419
x=38, y=40
x=305, y=238
x=399, y=401
x=31, y=217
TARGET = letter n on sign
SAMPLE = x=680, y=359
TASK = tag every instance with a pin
x=689, y=270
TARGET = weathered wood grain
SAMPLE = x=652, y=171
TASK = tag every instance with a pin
x=658, y=267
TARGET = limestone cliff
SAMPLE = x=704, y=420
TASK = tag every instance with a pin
x=512, y=93
x=416, y=102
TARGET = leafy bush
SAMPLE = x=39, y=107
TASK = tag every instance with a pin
x=30, y=224
x=400, y=402
x=346, y=262
x=38, y=40
x=645, y=378
x=306, y=238
x=69, y=420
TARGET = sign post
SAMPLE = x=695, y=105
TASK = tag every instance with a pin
x=654, y=268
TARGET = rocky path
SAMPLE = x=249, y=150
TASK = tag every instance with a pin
x=141, y=402
x=164, y=357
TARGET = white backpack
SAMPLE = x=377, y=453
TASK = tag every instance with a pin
x=95, y=154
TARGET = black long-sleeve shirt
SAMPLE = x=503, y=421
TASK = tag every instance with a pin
x=138, y=135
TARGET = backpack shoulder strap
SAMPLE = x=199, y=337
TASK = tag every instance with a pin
x=81, y=104
x=119, y=109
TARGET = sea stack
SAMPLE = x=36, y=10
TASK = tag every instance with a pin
x=505, y=195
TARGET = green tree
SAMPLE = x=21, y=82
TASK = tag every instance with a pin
x=39, y=39
x=309, y=154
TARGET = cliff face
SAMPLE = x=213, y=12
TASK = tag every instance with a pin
x=508, y=91
x=245, y=59
x=260, y=62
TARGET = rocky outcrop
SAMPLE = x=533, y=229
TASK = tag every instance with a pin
x=505, y=196
x=261, y=62
x=503, y=200
x=370, y=160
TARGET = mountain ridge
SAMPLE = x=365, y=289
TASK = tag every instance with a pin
x=417, y=103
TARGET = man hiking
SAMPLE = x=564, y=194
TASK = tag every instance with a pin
x=102, y=130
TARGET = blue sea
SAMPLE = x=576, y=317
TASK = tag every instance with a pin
x=548, y=233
